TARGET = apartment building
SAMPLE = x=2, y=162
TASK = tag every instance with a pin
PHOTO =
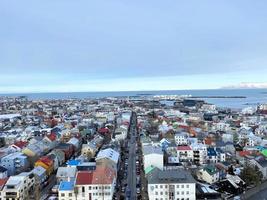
x=175, y=184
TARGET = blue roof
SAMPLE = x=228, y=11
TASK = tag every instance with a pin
x=73, y=162
x=211, y=152
x=66, y=186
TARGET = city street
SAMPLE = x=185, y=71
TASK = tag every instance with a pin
x=131, y=181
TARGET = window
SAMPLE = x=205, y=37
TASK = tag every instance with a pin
x=182, y=192
x=83, y=189
x=178, y=193
x=90, y=188
x=166, y=186
x=156, y=193
x=187, y=186
x=62, y=194
x=182, y=186
x=187, y=192
x=177, y=186
x=156, y=186
x=161, y=186
x=70, y=194
x=161, y=193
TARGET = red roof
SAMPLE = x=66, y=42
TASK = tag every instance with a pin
x=244, y=153
x=3, y=182
x=85, y=178
x=20, y=144
x=184, y=148
x=103, y=130
x=98, y=177
x=52, y=136
x=46, y=160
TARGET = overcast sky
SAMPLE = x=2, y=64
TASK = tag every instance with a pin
x=105, y=45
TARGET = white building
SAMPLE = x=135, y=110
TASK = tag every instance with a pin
x=199, y=153
x=181, y=138
x=19, y=187
x=152, y=156
x=94, y=185
x=171, y=184
x=209, y=174
x=185, y=153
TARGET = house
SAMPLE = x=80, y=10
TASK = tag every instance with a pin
x=75, y=142
x=19, y=187
x=40, y=173
x=184, y=153
x=120, y=133
x=171, y=184
x=89, y=150
x=33, y=150
x=209, y=174
x=109, y=154
x=18, y=146
x=66, y=173
x=93, y=185
x=60, y=156
x=2, y=185
x=152, y=156
x=66, y=190
x=3, y=172
x=68, y=149
x=15, y=163
x=199, y=153
x=181, y=138
x=212, y=155
x=46, y=163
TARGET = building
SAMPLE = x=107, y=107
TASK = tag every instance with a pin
x=153, y=156
x=19, y=187
x=3, y=172
x=171, y=184
x=209, y=174
x=66, y=190
x=199, y=153
x=98, y=184
x=181, y=138
x=15, y=163
x=66, y=173
x=40, y=173
x=185, y=153
x=46, y=163
x=108, y=157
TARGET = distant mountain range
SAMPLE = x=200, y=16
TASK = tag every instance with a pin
x=247, y=85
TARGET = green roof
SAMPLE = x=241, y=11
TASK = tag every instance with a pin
x=264, y=152
x=149, y=169
x=211, y=169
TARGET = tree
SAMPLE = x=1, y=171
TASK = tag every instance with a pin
x=235, y=138
x=251, y=175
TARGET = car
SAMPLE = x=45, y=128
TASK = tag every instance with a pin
x=123, y=189
x=55, y=189
x=138, y=190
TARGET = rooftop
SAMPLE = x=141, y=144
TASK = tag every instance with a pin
x=66, y=186
x=157, y=176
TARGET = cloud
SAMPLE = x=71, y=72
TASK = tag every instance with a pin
x=247, y=85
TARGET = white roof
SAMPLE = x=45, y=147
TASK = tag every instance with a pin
x=9, y=116
x=66, y=172
x=108, y=153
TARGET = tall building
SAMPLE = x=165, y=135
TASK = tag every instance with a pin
x=175, y=184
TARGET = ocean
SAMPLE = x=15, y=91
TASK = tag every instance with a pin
x=253, y=96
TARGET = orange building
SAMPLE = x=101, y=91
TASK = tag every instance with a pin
x=46, y=163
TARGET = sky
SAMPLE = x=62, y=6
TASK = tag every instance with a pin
x=118, y=45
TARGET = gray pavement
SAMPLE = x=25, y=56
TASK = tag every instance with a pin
x=131, y=180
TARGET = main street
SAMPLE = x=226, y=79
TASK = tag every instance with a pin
x=131, y=181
